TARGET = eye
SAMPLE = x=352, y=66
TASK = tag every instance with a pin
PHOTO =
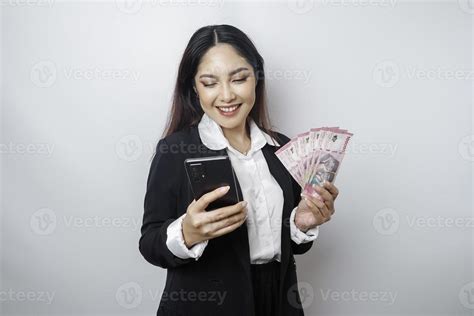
x=241, y=80
x=209, y=85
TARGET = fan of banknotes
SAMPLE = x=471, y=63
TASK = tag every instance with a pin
x=314, y=157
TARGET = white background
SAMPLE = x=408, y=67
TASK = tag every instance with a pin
x=77, y=143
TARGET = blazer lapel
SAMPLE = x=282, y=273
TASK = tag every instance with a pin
x=280, y=174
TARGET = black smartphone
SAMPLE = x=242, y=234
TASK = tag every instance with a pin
x=206, y=174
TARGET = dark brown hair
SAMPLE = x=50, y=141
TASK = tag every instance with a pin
x=186, y=110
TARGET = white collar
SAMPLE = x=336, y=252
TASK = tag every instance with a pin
x=212, y=136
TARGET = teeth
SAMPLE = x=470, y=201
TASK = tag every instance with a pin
x=228, y=109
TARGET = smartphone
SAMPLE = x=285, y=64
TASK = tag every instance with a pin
x=206, y=174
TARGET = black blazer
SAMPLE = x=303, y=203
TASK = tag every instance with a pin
x=219, y=282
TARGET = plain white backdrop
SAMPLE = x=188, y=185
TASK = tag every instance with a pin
x=86, y=88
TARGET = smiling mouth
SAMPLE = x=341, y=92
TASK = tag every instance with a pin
x=229, y=109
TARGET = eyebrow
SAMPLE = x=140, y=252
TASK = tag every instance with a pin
x=233, y=72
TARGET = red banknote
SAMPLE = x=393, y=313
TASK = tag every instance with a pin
x=315, y=156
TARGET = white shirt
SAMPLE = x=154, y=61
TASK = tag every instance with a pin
x=259, y=188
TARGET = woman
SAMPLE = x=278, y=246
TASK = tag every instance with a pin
x=235, y=260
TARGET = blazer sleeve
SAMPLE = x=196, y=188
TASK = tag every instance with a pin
x=160, y=209
x=302, y=248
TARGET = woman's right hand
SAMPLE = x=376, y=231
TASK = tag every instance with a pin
x=200, y=225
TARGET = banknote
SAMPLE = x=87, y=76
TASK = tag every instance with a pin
x=315, y=156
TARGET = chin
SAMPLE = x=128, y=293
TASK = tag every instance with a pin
x=229, y=123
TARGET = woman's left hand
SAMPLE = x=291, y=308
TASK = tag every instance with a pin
x=312, y=212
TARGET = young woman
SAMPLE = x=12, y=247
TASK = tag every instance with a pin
x=239, y=259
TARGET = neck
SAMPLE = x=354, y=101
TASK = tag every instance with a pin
x=237, y=135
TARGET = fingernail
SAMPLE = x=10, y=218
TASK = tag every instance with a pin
x=224, y=189
x=244, y=203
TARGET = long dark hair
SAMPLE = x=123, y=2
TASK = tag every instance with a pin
x=186, y=110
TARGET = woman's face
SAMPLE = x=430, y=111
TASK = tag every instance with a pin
x=223, y=80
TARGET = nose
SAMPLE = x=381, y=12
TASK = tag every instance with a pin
x=226, y=93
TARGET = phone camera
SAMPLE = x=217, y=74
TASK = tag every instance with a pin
x=198, y=173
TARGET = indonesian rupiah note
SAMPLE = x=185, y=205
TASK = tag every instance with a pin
x=315, y=156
